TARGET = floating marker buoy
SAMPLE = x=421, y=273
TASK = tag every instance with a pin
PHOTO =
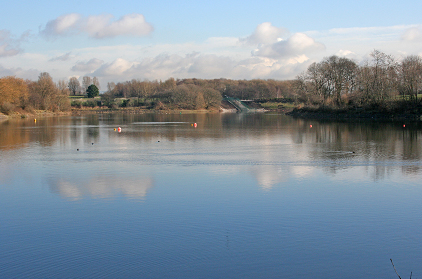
x=195, y=125
x=310, y=126
x=114, y=129
x=404, y=125
x=35, y=120
x=119, y=129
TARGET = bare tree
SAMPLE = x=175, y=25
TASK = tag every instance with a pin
x=96, y=82
x=333, y=77
x=378, y=77
x=340, y=74
x=63, y=87
x=86, y=82
x=110, y=86
x=313, y=82
x=74, y=85
x=44, y=92
x=410, y=77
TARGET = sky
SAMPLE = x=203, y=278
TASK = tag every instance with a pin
x=118, y=41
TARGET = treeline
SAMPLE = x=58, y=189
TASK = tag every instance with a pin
x=88, y=85
x=193, y=93
x=17, y=94
x=334, y=82
x=341, y=82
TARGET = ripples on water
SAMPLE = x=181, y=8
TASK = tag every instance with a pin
x=240, y=196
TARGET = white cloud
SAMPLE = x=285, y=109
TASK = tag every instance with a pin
x=347, y=53
x=297, y=44
x=362, y=40
x=132, y=24
x=98, y=26
x=211, y=65
x=30, y=74
x=89, y=66
x=413, y=34
x=265, y=33
x=62, y=25
x=63, y=57
x=8, y=46
x=7, y=50
x=207, y=66
x=117, y=68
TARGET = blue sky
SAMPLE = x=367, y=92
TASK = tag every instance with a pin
x=122, y=40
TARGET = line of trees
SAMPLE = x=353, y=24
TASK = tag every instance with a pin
x=340, y=81
x=242, y=89
x=195, y=93
x=17, y=94
x=76, y=88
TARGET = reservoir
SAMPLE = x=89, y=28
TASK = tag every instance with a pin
x=234, y=196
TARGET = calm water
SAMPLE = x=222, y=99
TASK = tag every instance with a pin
x=239, y=196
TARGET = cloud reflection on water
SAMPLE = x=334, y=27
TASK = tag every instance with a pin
x=102, y=187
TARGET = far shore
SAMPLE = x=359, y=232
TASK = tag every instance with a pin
x=99, y=110
x=353, y=114
x=336, y=114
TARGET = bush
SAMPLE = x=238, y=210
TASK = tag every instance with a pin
x=107, y=100
x=7, y=108
x=124, y=103
x=76, y=104
x=90, y=103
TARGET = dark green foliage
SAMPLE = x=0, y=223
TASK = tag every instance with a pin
x=92, y=91
x=76, y=103
x=107, y=100
x=90, y=103
x=124, y=103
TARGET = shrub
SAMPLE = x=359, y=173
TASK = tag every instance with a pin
x=90, y=103
x=76, y=103
x=7, y=108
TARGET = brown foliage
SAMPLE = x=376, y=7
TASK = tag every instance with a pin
x=13, y=93
x=45, y=95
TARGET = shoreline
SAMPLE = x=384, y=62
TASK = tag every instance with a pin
x=98, y=110
x=353, y=115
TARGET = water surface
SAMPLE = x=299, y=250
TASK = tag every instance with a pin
x=239, y=196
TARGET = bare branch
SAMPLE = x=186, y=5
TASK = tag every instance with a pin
x=396, y=270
